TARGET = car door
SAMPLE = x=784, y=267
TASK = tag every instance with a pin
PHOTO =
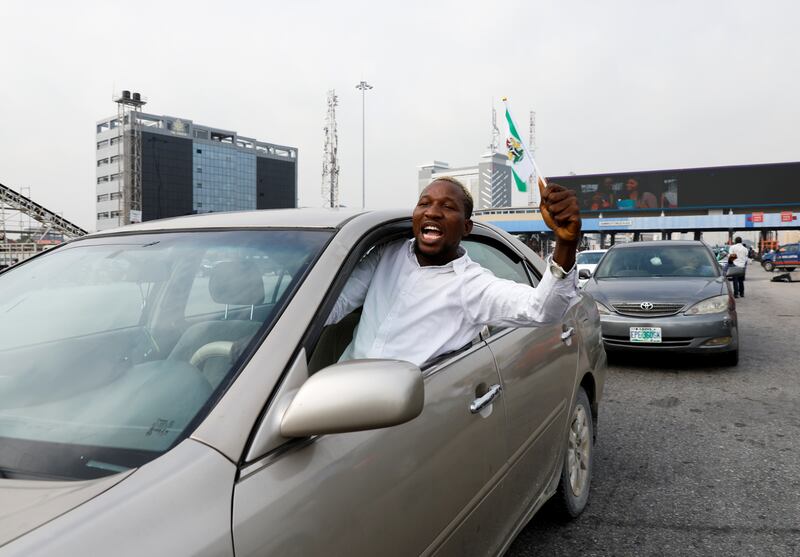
x=538, y=367
x=787, y=256
x=429, y=486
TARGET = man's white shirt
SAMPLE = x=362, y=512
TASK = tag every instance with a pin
x=416, y=313
x=741, y=252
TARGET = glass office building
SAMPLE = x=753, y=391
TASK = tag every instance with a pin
x=224, y=178
x=188, y=168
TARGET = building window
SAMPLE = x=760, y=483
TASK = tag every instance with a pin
x=199, y=151
x=103, y=197
x=102, y=179
x=114, y=140
x=114, y=177
x=114, y=159
x=102, y=215
x=101, y=144
x=115, y=214
x=199, y=170
x=101, y=162
x=116, y=195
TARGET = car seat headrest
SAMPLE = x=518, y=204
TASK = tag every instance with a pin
x=236, y=283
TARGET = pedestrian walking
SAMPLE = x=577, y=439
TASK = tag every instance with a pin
x=739, y=268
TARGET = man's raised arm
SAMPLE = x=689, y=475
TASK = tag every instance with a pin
x=492, y=301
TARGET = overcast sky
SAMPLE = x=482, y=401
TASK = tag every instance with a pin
x=616, y=85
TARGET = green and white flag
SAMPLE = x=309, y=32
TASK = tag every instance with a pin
x=523, y=168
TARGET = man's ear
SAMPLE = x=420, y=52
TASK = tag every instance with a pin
x=467, y=227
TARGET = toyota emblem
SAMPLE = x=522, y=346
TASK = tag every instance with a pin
x=647, y=306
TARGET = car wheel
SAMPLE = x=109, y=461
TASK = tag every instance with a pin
x=769, y=266
x=576, y=470
x=730, y=359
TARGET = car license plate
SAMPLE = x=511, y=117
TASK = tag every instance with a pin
x=645, y=334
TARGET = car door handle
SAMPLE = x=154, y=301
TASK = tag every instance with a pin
x=482, y=402
x=568, y=333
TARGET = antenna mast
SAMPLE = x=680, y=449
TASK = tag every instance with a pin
x=533, y=197
x=330, y=157
x=495, y=144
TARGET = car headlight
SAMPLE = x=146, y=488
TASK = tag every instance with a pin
x=601, y=309
x=717, y=304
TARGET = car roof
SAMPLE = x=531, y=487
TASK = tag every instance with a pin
x=658, y=243
x=268, y=218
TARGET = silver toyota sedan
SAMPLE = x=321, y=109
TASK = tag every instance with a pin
x=665, y=296
x=171, y=388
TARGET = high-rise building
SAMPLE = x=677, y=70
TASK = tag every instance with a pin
x=489, y=182
x=185, y=168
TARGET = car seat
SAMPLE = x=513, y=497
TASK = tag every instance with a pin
x=232, y=283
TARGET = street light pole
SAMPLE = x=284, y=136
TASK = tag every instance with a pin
x=363, y=87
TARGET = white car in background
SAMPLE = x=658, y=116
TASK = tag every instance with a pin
x=588, y=260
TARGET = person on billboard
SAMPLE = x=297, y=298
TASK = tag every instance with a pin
x=602, y=198
x=669, y=199
x=636, y=199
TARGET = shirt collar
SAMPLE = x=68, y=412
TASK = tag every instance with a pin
x=457, y=265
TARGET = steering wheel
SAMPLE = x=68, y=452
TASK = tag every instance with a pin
x=219, y=348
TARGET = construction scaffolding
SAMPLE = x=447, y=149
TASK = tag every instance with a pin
x=129, y=108
x=27, y=228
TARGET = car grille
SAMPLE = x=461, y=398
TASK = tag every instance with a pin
x=659, y=309
x=666, y=342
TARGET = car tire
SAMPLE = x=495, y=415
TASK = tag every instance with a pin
x=572, y=493
x=731, y=359
x=769, y=266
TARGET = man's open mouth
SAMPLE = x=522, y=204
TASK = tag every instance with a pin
x=431, y=233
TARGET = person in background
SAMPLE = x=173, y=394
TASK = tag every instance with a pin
x=740, y=251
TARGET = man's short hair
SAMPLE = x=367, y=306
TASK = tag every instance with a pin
x=468, y=204
x=738, y=240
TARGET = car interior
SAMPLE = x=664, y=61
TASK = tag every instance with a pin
x=136, y=386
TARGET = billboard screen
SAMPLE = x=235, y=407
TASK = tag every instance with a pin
x=726, y=186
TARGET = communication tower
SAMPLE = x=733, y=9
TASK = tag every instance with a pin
x=129, y=107
x=494, y=146
x=533, y=191
x=330, y=158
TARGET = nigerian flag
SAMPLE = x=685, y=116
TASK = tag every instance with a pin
x=522, y=166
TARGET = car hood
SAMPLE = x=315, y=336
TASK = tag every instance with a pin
x=683, y=289
x=27, y=504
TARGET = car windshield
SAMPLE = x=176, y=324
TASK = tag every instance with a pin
x=658, y=261
x=111, y=349
x=589, y=257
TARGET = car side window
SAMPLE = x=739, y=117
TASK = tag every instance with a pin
x=496, y=261
x=499, y=263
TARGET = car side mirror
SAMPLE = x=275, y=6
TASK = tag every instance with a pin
x=584, y=274
x=355, y=396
